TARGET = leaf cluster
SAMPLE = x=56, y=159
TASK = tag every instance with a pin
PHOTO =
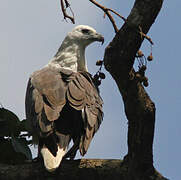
x=13, y=142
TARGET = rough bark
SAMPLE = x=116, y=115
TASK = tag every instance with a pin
x=139, y=108
x=94, y=169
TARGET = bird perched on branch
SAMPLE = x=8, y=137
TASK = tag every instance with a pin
x=63, y=102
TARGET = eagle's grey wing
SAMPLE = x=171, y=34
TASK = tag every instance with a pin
x=45, y=98
x=49, y=91
x=83, y=95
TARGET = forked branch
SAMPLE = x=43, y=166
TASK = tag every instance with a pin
x=64, y=5
x=143, y=35
x=107, y=12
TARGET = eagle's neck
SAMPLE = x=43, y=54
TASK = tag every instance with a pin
x=70, y=56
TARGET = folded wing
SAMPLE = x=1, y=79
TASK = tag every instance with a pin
x=63, y=98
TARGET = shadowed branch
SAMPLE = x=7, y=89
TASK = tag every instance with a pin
x=89, y=169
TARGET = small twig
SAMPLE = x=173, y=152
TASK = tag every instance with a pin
x=72, y=14
x=143, y=35
x=67, y=3
x=63, y=8
x=123, y=18
x=147, y=37
x=106, y=11
x=141, y=32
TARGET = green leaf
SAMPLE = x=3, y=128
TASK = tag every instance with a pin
x=20, y=145
x=9, y=123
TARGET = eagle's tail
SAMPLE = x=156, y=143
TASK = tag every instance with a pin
x=52, y=162
x=52, y=149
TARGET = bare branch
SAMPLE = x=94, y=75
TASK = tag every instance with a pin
x=106, y=11
x=143, y=35
x=123, y=18
x=67, y=3
x=63, y=8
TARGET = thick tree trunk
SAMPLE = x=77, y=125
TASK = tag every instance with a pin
x=139, y=108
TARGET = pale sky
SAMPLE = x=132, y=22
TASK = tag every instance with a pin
x=32, y=31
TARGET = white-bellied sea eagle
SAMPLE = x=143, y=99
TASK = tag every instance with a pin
x=63, y=102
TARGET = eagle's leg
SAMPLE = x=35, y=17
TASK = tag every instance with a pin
x=73, y=150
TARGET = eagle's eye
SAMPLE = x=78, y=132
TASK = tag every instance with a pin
x=85, y=31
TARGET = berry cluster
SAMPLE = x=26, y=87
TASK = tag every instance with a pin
x=140, y=74
x=99, y=75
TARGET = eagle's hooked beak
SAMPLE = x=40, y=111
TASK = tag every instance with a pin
x=100, y=38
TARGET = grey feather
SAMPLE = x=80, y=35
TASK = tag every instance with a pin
x=78, y=90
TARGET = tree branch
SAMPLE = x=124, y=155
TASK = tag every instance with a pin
x=106, y=11
x=63, y=8
x=89, y=169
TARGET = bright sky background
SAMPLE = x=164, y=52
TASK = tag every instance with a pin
x=31, y=31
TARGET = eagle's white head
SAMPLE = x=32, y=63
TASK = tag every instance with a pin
x=71, y=54
x=84, y=35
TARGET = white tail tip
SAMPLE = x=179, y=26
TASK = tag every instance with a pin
x=52, y=162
